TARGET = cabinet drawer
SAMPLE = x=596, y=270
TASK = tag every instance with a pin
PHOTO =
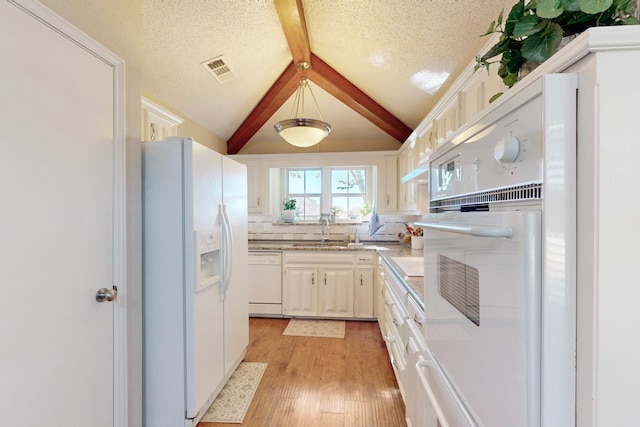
x=415, y=315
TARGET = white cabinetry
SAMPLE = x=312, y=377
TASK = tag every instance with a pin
x=388, y=185
x=418, y=412
x=364, y=300
x=257, y=194
x=395, y=326
x=336, y=291
x=300, y=290
x=328, y=284
x=408, y=189
x=158, y=123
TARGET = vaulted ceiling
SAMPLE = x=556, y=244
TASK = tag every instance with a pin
x=377, y=66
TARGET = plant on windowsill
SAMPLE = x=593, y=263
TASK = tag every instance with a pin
x=365, y=212
x=334, y=212
x=535, y=31
x=289, y=212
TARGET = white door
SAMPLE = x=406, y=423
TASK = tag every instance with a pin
x=58, y=238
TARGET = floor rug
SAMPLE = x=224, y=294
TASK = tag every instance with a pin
x=233, y=401
x=315, y=328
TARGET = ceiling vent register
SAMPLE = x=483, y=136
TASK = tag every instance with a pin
x=219, y=69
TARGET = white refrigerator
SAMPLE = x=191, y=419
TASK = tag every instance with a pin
x=195, y=293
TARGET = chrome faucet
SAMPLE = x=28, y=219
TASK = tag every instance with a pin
x=323, y=221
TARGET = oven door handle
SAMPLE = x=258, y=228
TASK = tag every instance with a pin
x=470, y=230
x=427, y=387
x=422, y=363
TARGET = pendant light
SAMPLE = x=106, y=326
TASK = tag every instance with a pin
x=301, y=131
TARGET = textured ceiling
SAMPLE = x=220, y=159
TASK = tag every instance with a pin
x=403, y=54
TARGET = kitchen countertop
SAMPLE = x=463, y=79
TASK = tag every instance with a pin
x=387, y=250
x=302, y=245
x=414, y=284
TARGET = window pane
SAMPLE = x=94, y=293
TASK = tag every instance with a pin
x=352, y=181
x=311, y=208
x=339, y=181
x=313, y=181
x=358, y=178
x=341, y=204
x=355, y=205
x=295, y=182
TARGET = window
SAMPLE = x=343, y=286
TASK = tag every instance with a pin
x=305, y=185
x=318, y=190
x=348, y=191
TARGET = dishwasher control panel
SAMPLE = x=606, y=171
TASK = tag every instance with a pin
x=265, y=258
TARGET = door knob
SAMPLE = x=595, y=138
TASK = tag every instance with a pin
x=105, y=294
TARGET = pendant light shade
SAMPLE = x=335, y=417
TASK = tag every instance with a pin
x=300, y=131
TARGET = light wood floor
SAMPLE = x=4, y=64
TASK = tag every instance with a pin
x=322, y=382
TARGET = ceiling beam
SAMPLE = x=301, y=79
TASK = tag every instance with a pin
x=331, y=81
x=277, y=95
x=295, y=28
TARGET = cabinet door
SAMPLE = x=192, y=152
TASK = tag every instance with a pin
x=300, y=291
x=336, y=291
x=388, y=183
x=363, y=286
x=255, y=198
x=157, y=123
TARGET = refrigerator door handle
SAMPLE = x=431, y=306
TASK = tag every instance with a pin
x=227, y=252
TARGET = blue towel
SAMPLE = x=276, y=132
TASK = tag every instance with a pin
x=375, y=223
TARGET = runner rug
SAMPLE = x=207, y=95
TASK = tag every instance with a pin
x=233, y=401
x=315, y=328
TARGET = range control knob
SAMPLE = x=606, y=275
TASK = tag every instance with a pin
x=507, y=149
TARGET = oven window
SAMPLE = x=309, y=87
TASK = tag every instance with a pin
x=460, y=285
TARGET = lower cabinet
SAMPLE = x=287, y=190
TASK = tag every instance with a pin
x=364, y=297
x=327, y=285
x=336, y=291
x=300, y=291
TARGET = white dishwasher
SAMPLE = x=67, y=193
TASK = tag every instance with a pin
x=265, y=283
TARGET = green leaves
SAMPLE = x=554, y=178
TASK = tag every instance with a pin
x=534, y=31
x=595, y=6
x=549, y=9
x=540, y=46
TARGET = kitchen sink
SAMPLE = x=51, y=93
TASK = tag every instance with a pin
x=319, y=245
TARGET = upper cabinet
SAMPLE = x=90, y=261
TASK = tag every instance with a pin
x=158, y=123
x=388, y=185
x=257, y=195
x=466, y=97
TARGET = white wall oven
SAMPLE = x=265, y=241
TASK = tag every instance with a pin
x=500, y=264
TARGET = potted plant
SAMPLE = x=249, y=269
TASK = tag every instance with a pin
x=289, y=210
x=334, y=212
x=534, y=31
x=365, y=212
x=413, y=234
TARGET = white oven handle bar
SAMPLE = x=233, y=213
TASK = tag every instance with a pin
x=425, y=383
x=470, y=230
x=422, y=363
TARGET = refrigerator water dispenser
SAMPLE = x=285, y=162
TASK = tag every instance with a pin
x=208, y=248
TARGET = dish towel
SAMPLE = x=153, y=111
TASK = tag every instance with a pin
x=375, y=223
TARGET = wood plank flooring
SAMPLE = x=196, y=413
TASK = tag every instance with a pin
x=321, y=382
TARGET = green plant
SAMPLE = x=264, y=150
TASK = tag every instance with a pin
x=365, y=209
x=533, y=32
x=335, y=210
x=289, y=204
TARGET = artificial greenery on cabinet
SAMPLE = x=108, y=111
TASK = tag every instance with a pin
x=534, y=31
